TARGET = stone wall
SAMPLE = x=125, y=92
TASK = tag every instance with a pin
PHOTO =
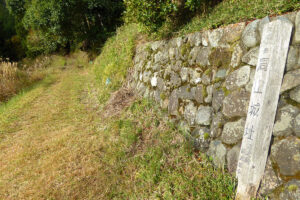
x=205, y=79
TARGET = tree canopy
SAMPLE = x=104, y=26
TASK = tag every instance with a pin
x=51, y=25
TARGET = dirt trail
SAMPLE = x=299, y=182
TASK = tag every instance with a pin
x=47, y=142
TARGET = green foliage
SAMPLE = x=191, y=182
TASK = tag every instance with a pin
x=157, y=162
x=154, y=14
x=10, y=46
x=51, y=25
x=115, y=59
x=233, y=11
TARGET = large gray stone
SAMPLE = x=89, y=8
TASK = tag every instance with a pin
x=141, y=88
x=167, y=72
x=221, y=74
x=250, y=83
x=209, y=91
x=175, y=80
x=215, y=36
x=156, y=67
x=217, y=101
x=291, y=16
x=238, y=78
x=232, y=33
x=147, y=76
x=184, y=92
x=284, y=121
x=149, y=65
x=233, y=158
x=236, y=104
x=295, y=94
x=156, y=95
x=199, y=56
x=296, y=125
x=217, y=151
x=290, y=80
x=201, y=138
x=184, y=74
x=220, y=57
x=198, y=93
x=262, y=24
x=195, y=77
x=174, y=53
x=179, y=41
x=270, y=180
x=157, y=45
x=161, y=84
x=251, y=57
x=285, y=19
x=233, y=132
x=286, y=154
x=293, y=57
x=195, y=39
x=237, y=56
x=297, y=28
x=154, y=80
x=206, y=78
x=291, y=191
x=176, y=65
x=250, y=36
x=173, y=103
x=161, y=57
x=139, y=66
x=190, y=113
x=205, y=41
x=216, y=125
x=203, y=116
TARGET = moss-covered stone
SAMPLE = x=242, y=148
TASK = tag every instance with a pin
x=226, y=92
x=220, y=57
x=163, y=96
x=185, y=49
x=208, y=72
x=206, y=136
x=292, y=188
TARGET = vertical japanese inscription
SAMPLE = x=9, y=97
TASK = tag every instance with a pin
x=262, y=108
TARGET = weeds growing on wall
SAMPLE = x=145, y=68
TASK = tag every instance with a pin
x=112, y=64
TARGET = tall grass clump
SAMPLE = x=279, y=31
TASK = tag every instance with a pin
x=13, y=79
x=111, y=66
x=9, y=79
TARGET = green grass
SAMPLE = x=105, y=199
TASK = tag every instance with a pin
x=147, y=158
x=229, y=12
x=115, y=59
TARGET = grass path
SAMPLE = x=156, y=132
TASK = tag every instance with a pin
x=44, y=138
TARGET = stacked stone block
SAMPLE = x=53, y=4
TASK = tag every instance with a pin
x=204, y=80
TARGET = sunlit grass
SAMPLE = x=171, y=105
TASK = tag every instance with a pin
x=115, y=59
x=230, y=12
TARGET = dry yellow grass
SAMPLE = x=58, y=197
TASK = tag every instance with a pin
x=8, y=79
x=51, y=152
x=13, y=79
